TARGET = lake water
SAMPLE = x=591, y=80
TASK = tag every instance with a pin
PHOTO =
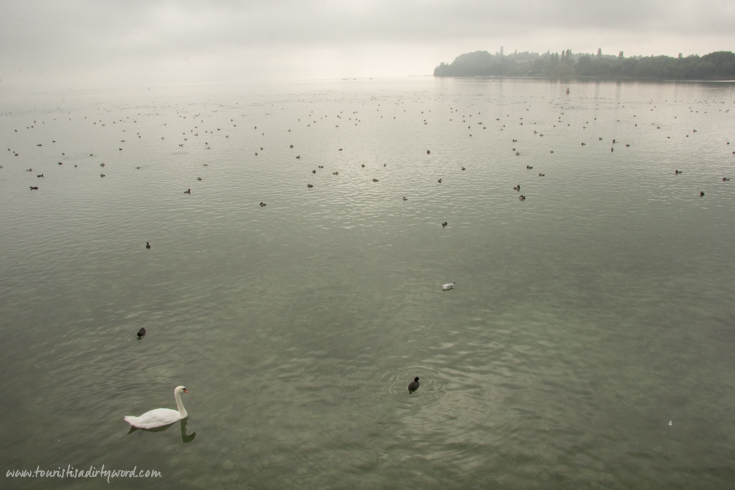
x=589, y=341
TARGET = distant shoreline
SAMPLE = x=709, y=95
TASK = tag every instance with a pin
x=591, y=79
x=716, y=66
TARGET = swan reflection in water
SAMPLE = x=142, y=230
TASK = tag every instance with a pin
x=185, y=438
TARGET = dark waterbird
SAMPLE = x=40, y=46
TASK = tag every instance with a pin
x=147, y=245
x=141, y=332
x=414, y=385
x=187, y=191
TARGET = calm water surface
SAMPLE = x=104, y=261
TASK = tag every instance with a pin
x=589, y=342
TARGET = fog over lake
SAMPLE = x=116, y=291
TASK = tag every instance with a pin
x=49, y=45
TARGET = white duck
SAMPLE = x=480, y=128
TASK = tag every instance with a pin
x=160, y=416
x=448, y=285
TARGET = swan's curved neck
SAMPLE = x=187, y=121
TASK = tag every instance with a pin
x=180, y=405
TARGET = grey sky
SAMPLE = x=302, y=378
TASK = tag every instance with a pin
x=99, y=43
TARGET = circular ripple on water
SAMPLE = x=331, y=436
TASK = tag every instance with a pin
x=446, y=397
x=448, y=417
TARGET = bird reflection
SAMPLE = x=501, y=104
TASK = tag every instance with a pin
x=185, y=438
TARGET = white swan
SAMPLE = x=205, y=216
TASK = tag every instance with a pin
x=448, y=285
x=160, y=416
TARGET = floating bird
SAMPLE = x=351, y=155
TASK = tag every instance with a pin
x=413, y=385
x=428, y=152
x=199, y=178
x=187, y=191
x=444, y=224
x=141, y=332
x=517, y=188
x=522, y=197
x=147, y=245
x=262, y=204
x=724, y=179
x=528, y=167
x=309, y=186
x=102, y=175
x=701, y=194
x=375, y=180
x=160, y=416
x=676, y=172
x=34, y=188
x=542, y=175
x=405, y=198
x=448, y=286
x=440, y=181
x=44, y=177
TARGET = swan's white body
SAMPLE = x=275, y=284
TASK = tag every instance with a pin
x=160, y=416
x=448, y=285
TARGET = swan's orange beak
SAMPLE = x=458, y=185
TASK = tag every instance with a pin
x=186, y=391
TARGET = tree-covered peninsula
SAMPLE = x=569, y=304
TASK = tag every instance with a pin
x=719, y=65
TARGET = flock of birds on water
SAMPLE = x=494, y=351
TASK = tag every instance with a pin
x=163, y=417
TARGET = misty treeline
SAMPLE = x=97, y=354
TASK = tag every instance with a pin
x=714, y=66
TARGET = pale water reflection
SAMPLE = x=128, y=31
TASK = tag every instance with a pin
x=584, y=319
x=185, y=437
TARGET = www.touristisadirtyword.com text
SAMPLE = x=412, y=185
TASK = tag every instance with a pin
x=92, y=472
